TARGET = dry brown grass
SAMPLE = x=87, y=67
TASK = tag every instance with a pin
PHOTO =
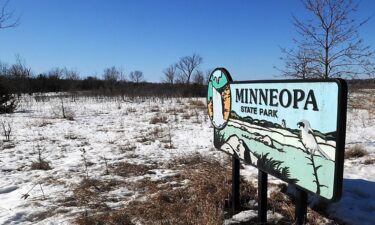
x=283, y=204
x=40, y=165
x=187, y=115
x=159, y=119
x=369, y=161
x=128, y=147
x=197, y=195
x=125, y=169
x=175, y=110
x=88, y=194
x=355, y=151
x=105, y=218
x=200, y=201
x=196, y=104
x=156, y=132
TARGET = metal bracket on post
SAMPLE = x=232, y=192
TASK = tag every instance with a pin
x=301, y=207
x=235, y=183
x=262, y=197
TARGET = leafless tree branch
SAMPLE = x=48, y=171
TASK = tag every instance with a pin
x=7, y=19
x=187, y=65
x=329, y=43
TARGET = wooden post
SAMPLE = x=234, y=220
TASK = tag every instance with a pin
x=262, y=197
x=301, y=206
x=235, y=183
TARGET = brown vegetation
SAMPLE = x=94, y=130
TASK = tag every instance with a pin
x=159, y=119
x=355, y=151
x=198, y=193
x=40, y=165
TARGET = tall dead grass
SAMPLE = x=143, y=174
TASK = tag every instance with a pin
x=201, y=200
x=198, y=194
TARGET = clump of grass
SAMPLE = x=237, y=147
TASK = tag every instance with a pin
x=284, y=204
x=125, y=169
x=197, y=104
x=159, y=119
x=197, y=194
x=156, y=132
x=155, y=109
x=128, y=147
x=87, y=193
x=43, y=122
x=356, y=151
x=107, y=218
x=200, y=201
x=281, y=203
x=40, y=165
x=369, y=161
x=186, y=116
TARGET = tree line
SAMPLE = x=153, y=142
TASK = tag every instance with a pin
x=19, y=79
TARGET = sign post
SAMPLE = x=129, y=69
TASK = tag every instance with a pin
x=262, y=196
x=235, y=183
x=291, y=129
x=301, y=207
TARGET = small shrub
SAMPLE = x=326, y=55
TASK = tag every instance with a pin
x=40, y=165
x=355, y=151
x=159, y=119
x=8, y=101
x=7, y=129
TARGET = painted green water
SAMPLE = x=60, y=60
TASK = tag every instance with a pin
x=295, y=159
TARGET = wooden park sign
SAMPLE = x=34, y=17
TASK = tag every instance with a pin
x=291, y=129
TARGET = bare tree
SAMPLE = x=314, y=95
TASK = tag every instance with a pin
x=136, y=76
x=3, y=69
x=19, y=69
x=55, y=73
x=299, y=64
x=187, y=65
x=170, y=74
x=111, y=74
x=7, y=19
x=71, y=74
x=198, y=77
x=331, y=40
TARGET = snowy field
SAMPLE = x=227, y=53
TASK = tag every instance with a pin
x=47, y=156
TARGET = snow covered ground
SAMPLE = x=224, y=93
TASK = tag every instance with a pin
x=101, y=132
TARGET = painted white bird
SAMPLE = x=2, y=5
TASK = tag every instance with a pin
x=309, y=140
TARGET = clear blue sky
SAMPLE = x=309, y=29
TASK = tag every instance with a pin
x=148, y=35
